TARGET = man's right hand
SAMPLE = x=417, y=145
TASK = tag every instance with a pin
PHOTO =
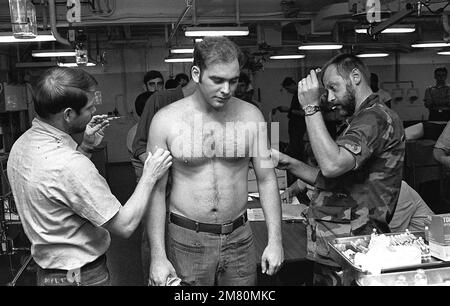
x=156, y=165
x=160, y=270
x=280, y=161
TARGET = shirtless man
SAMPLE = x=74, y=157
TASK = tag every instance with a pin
x=209, y=241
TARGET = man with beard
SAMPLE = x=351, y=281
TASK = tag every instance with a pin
x=358, y=179
x=213, y=137
x=66, y=207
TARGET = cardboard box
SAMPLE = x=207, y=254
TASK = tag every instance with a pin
x=439, y=229
x=440, y=251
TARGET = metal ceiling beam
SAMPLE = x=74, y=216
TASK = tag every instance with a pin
x=186, y=9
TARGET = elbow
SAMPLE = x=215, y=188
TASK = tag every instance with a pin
x=437, y=155
x=125, y=232
x=331, y=171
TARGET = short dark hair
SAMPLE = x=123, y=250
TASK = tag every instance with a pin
x=345, y=63
x=181, y=76
x=171, y=83
x=140, y=101
x=243, y=77
x=288, y=81
x=216, y=49
x=152, y=74
x=440, y=69
x=60, y=88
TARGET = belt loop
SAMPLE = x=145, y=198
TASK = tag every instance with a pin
x=243, y=218
x=196, y=226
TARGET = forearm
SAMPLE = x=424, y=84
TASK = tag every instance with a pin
x=303, y=171
x=441, y=157
x=327, y=153
x=155, y=225
x=271, y=205
x=133, y=210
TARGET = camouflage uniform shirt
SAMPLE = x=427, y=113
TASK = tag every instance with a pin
x=365, y=197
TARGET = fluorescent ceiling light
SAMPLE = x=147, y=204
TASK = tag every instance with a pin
x=179, y=60
x=9, y=38
x=216, y=31
x=320, y=46
x=287, y=56
x=198, y=40
x=75, y=65
x=443, y=53
x=440, y=44
x=390, y=30
x=365, y=55
x=179, y=50
x=52, y=53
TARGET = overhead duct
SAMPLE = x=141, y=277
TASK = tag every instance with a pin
x=52, y=13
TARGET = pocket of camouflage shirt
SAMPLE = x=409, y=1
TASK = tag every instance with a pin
x=328, y=222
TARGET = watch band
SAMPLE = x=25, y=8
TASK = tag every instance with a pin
x=311, y=109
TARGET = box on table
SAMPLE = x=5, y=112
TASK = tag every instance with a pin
x=439, y=229
x=440, y=251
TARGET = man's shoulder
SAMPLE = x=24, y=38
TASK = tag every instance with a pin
x=248, y=109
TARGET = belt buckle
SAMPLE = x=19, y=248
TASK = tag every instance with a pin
x=226, y=228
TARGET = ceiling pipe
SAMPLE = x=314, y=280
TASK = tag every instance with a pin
x=52, y=13
x=186, y=9
x=446, y=26
x=194, y=12
x=238, y=13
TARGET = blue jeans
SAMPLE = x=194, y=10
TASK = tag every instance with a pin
x=92, y=274
x=205, y=259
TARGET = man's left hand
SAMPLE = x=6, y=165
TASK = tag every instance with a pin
x=272, y=258
x=95, y=131
x=308, y=89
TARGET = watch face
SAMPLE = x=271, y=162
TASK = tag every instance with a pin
x=311, y=109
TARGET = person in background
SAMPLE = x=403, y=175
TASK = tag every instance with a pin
x=66, y=207
x=385, y=97
x=182, y=79
x=153, y=81
x=437, y=97
x=208, y=240
x=139, y=105
x=171, y=83
x=358, y=178
x=244, y=90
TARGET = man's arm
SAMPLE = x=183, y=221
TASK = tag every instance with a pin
x=297, y=168
x=160, y=267
x=130, y=215
x=332, y=159
x=441, y=157
x=442, y=147
x=273, y=255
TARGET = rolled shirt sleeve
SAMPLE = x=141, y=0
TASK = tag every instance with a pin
x=363, y=137
x=443, y=141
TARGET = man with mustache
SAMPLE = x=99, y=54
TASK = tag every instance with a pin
x=357, y=182
x=209, y=241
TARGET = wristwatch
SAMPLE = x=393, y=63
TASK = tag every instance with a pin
x=311, y=109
